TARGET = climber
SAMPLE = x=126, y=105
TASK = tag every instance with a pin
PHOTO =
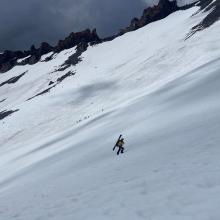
x=120, y=142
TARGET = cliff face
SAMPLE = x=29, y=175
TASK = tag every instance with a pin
x=9, y=58
x=151, y=14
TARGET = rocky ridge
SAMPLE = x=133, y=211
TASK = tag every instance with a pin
x=81, y=40
x=9, y=59
x=151, y=14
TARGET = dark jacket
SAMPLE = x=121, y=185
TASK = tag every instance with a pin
x=120, y=143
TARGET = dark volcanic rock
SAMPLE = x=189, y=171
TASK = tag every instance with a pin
x=151, y=14
x=74, y=39
x=35, y=54
x=82, y=39
x=213, y=9
x=6, y=113
x=51, y=83
x=60, y=79
x=42, y=93
x=12, y=80
x=9, y=58
x=45, y=48
x=75, y=58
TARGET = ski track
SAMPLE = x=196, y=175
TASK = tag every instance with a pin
x=158, y=90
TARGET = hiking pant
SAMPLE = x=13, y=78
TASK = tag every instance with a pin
x=120, y=149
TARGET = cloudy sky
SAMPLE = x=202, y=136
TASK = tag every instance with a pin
x=26, y=22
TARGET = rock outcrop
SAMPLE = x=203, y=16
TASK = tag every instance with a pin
x=74, y=39
x=6, y=113
x=9, y=59
x=151, y=14
x=213, y=10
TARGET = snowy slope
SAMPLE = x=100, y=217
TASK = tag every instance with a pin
x=158, y=89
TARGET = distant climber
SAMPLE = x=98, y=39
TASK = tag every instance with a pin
x=120, y=142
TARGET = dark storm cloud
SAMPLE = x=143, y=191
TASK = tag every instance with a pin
x=26, y=22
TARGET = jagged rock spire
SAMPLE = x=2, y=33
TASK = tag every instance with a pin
x=9, y=58
x=160, y=11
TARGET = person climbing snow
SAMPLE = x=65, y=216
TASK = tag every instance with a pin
x=120, y=142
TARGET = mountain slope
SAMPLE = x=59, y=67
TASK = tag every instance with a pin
x=152, y=85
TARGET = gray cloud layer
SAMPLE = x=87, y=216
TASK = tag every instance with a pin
x=26, y=22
